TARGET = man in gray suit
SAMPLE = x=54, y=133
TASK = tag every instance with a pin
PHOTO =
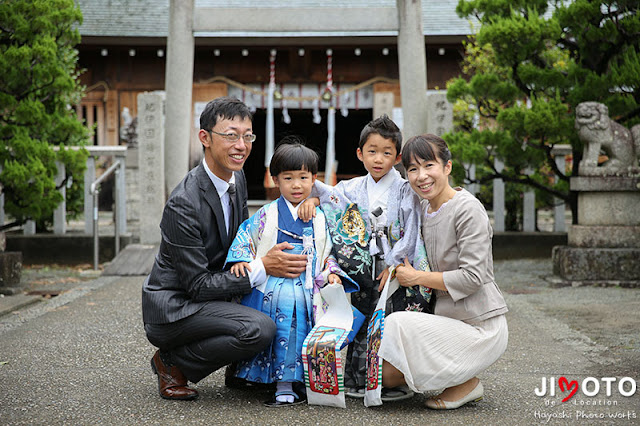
x=186, y=300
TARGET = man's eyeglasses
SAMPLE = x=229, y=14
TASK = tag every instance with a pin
x=233, y=137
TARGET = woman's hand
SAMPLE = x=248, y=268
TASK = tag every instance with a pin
x=384, y=275
x=239, y=269
x=307, y=209
x=334, y=279
x=406, y=274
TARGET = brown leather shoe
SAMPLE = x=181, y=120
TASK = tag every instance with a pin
x=171, y=382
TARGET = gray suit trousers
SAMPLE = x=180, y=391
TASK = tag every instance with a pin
x=218, y=334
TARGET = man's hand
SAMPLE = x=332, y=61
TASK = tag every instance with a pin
x=279, y=264
x=307, y=209
x=239, y=269
x=334, y=279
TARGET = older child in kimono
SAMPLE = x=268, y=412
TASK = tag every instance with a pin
x=289, y=301
x=374, y=222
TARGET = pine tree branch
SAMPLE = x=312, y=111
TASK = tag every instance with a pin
x=550, y=159
x=519, y=179
x=519, y=83
x=522, y=180
x=63, y=183
x=569, y=44
x=33, y=89
x=629, y=115
x=12, y=225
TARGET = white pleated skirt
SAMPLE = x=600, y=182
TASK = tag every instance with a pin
x=436, y=352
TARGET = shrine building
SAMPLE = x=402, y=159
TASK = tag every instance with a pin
x=331, y=54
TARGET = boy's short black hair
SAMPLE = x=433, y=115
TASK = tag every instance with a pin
x=291, y=154
x=223, y=108
x=385, y=127
x=427, y=147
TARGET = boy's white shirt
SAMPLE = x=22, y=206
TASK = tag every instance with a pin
x=293, y=210
x=378, y=191
x=378, y=194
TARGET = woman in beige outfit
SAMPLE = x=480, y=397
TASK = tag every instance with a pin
x=468, y=331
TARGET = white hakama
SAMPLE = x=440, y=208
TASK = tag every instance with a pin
x=436, y=352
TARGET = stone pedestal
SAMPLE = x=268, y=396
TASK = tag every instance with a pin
x=604, y=247
x=10, y=272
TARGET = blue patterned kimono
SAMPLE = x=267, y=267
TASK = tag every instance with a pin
x=285, y=300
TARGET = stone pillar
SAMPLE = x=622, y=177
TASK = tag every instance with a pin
x=10, y=272
x=29, y=228
x=412, y=64
x=89, y=177
x=439, y=112
x=10, y=262
x=178, y=87
x=383, y=104
x=529, y=207
x=60, y=213
x=121, y=193
x=498, y=199
x=560, y=151
x=150, y=165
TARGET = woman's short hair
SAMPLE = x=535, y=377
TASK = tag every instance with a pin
x=427, y=147
x=291, y=154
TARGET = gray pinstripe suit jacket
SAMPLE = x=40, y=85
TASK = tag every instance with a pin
x=188, y=268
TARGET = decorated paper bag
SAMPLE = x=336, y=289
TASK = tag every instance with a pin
x=321, y=355
x=373, y=390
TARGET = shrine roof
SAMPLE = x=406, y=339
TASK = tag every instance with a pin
x=150, y=18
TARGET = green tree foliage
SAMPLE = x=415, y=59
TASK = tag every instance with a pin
x=38, y=85
x=530, y=64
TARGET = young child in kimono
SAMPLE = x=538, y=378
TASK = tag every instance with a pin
x=287, y=300
x=374, y=222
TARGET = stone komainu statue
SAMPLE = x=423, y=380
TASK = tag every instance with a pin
x=129, y=129
x=600, y=133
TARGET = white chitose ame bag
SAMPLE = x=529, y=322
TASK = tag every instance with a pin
x=321, y=355
x=373, y=390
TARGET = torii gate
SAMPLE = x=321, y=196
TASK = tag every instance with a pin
x=405, y=19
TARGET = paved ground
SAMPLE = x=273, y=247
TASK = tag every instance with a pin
x=81, y=357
